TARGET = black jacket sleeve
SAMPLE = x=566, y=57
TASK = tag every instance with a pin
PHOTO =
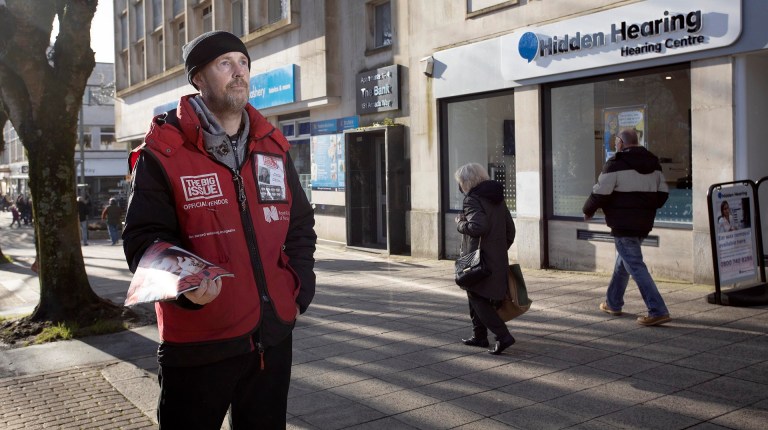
x=475, y=222
x=151, y=213
x=301, y=238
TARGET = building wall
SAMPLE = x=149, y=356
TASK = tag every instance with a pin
x=467, y=62
x=437, y=27
x=329, y=43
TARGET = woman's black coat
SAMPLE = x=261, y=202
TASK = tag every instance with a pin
x=486, y=215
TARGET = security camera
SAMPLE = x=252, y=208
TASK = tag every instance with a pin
x=427, y=65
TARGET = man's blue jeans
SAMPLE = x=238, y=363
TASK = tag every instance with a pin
x=114, y=232
x=84, y=232
x=629, y=261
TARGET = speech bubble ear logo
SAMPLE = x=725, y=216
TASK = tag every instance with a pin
x=528, y=46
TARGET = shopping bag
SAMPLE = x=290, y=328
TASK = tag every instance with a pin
x=516, y=302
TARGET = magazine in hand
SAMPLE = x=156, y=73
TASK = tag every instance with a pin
x=166, y=271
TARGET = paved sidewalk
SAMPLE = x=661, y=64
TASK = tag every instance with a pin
x=379, y=349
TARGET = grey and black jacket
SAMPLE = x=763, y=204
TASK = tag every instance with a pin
x=630, y=189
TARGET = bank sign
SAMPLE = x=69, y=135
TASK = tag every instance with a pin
x=378, y=90
x=640, y=31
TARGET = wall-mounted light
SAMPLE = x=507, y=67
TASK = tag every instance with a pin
x=427, y=65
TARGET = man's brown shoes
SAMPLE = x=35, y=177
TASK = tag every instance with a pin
x=649, y=320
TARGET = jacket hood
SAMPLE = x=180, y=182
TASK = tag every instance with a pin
x=490, y=190
x=168, y=138
x=640, y=159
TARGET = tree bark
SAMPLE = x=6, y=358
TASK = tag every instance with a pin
x=41, y=93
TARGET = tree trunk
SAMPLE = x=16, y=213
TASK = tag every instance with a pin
x=41, y=93
x=66, y=293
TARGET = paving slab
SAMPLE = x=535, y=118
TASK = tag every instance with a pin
x=380, y=349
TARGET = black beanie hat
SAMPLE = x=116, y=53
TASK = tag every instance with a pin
x=206, y=47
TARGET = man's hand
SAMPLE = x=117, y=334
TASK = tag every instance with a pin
x=587, y=217
x=205, y=293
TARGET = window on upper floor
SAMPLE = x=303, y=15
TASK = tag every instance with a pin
x=178, y=7
x=155, y=65
x=276, y=10
x=138, y=19
x=238, y=27
x=124, y=31
x=477, y=7
x=265, y=12
x=179, y=38
x=157, y=13
x=207, y=18
x=379, y=19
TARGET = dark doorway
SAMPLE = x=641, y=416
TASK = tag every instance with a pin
x=377, y=189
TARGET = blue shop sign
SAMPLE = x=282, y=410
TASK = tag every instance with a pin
x=333, y=126
x=273, y=88
x=165, y=108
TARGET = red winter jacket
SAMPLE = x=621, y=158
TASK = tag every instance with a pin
x=260, y=231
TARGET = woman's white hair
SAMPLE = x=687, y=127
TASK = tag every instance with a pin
x=469, y=175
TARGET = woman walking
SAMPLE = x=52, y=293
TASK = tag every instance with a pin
x=485, y=221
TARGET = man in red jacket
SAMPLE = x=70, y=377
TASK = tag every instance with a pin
x=226, y=344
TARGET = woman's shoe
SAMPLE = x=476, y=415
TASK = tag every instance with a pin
x=501, y=345
x=473, y=341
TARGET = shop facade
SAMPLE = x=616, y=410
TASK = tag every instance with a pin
x=330, y=81
x=539, y=106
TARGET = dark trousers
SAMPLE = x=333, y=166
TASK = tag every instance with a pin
x=198, y=397
x=484, y=317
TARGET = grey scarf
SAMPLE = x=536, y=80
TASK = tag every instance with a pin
x=215, y=139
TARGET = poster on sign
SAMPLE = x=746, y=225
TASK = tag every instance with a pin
x=736, y=243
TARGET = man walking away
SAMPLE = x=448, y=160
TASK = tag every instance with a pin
x=630, y=189
x=111, y=214
x=82, y=214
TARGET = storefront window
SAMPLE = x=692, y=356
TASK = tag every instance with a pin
x=481, y=130
x=297, y=133
x=586, y=116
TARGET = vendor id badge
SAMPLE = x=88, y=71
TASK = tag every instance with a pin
x=270, y=174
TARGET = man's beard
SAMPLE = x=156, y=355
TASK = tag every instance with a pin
x=233, y=100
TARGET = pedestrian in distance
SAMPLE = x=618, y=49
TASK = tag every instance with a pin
x=16, y=216
x=630, y=188
x=112, y=214
x=227, y=344
x=82, y=215
x=485, y=221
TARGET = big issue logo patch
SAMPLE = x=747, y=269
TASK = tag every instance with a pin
x=201, y=187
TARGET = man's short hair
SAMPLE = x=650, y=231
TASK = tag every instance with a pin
x=629, y=137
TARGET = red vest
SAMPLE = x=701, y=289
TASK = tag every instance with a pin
x=214, y=226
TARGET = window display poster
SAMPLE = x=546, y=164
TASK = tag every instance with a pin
x=619, y=118
x=327, y=171
x=734, y=235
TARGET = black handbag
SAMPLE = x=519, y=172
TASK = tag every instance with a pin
x=470, y=269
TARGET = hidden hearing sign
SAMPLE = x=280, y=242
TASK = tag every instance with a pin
x=642, y=30
x=378, y=90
